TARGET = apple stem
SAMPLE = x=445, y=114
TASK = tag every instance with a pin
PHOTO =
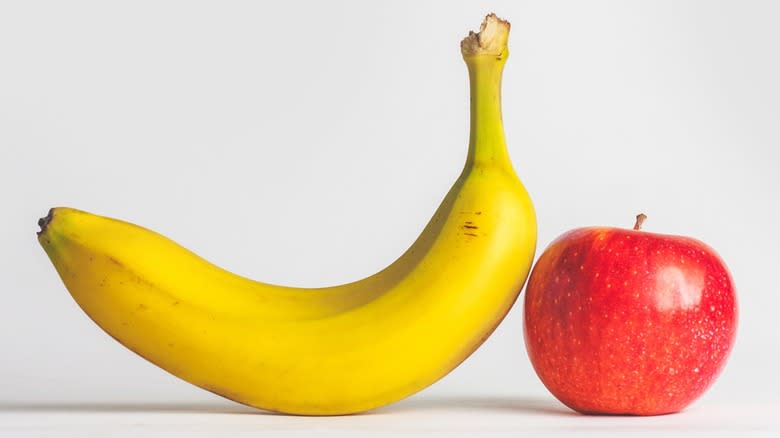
x=640, y=219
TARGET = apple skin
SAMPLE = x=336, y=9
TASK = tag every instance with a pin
x=622, y=321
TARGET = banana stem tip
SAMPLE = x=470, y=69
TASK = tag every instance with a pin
x=490, y=40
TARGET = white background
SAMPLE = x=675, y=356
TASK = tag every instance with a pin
x=307, y=143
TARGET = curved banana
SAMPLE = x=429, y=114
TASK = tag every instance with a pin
x=333, y=350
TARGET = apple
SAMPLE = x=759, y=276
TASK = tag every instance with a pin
x=621, y=321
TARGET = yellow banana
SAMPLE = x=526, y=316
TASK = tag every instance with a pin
x=332, y=350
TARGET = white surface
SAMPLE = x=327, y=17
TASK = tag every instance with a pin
x=312, y=150
x=413, y=418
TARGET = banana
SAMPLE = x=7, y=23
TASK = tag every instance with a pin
x=331, y=350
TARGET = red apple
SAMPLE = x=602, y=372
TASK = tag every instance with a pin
x=622, y=321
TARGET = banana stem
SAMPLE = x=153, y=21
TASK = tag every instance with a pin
x=485, y=54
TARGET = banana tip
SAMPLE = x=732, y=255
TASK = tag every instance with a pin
x=44, y=221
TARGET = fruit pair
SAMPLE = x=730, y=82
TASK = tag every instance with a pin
x=332, y=350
